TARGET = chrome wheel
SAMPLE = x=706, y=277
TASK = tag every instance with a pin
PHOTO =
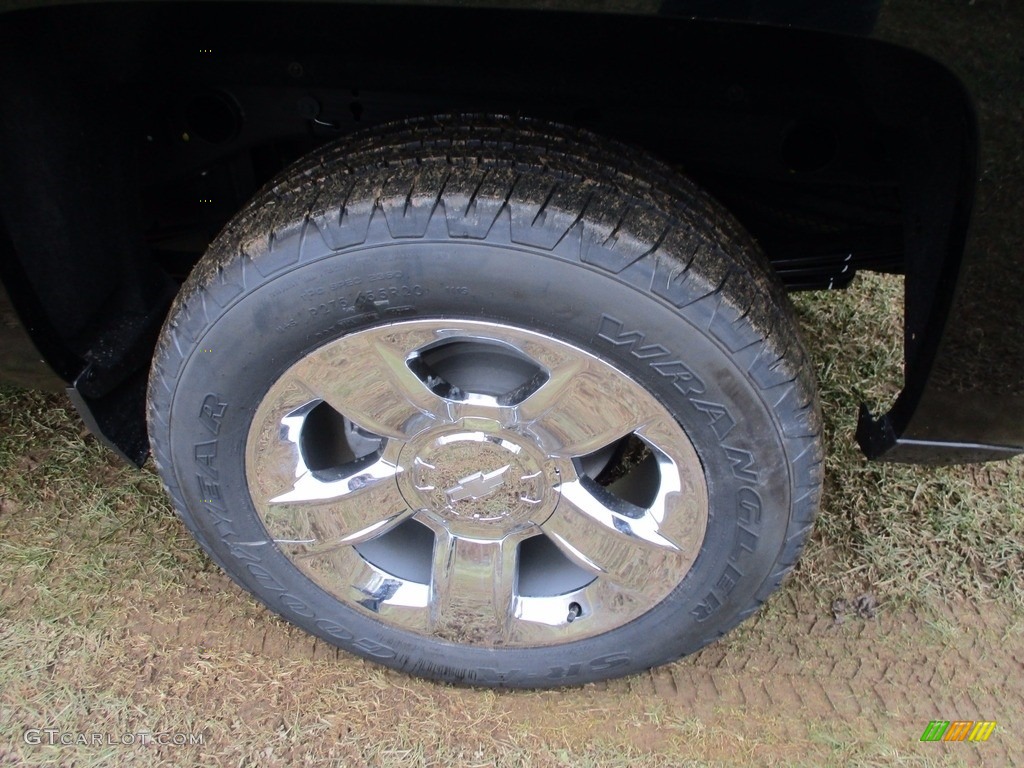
x=476, y=482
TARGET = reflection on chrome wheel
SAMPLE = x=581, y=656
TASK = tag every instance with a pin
x=472, y=508
x=490, y=401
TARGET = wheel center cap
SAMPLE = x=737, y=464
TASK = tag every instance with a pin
x=475, y=477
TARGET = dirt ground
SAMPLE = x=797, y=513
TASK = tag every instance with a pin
x=907, y=607
x=802, y=684
x=795, y=686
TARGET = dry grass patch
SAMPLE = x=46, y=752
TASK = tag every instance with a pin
x=113, y=621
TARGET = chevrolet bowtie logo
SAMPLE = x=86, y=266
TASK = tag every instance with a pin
x=477, y=485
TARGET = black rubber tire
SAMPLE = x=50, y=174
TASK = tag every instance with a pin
x=524, y=223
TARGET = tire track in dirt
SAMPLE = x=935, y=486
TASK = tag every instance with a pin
x=884, y=678
x=792, y=673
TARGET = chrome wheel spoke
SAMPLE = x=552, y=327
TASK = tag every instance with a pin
x=273, y=459
x=629, y=551
x=318, y=515
x=369, y=382
x=580, y=410
x=472, y=588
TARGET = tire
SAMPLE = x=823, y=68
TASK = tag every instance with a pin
x=491, y=401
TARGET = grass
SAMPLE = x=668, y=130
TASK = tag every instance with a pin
x=112, y=621
x=904, y=533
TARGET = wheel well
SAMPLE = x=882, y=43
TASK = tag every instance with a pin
x=127, y=149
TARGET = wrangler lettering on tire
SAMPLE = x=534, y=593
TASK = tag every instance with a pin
x=492, y=401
